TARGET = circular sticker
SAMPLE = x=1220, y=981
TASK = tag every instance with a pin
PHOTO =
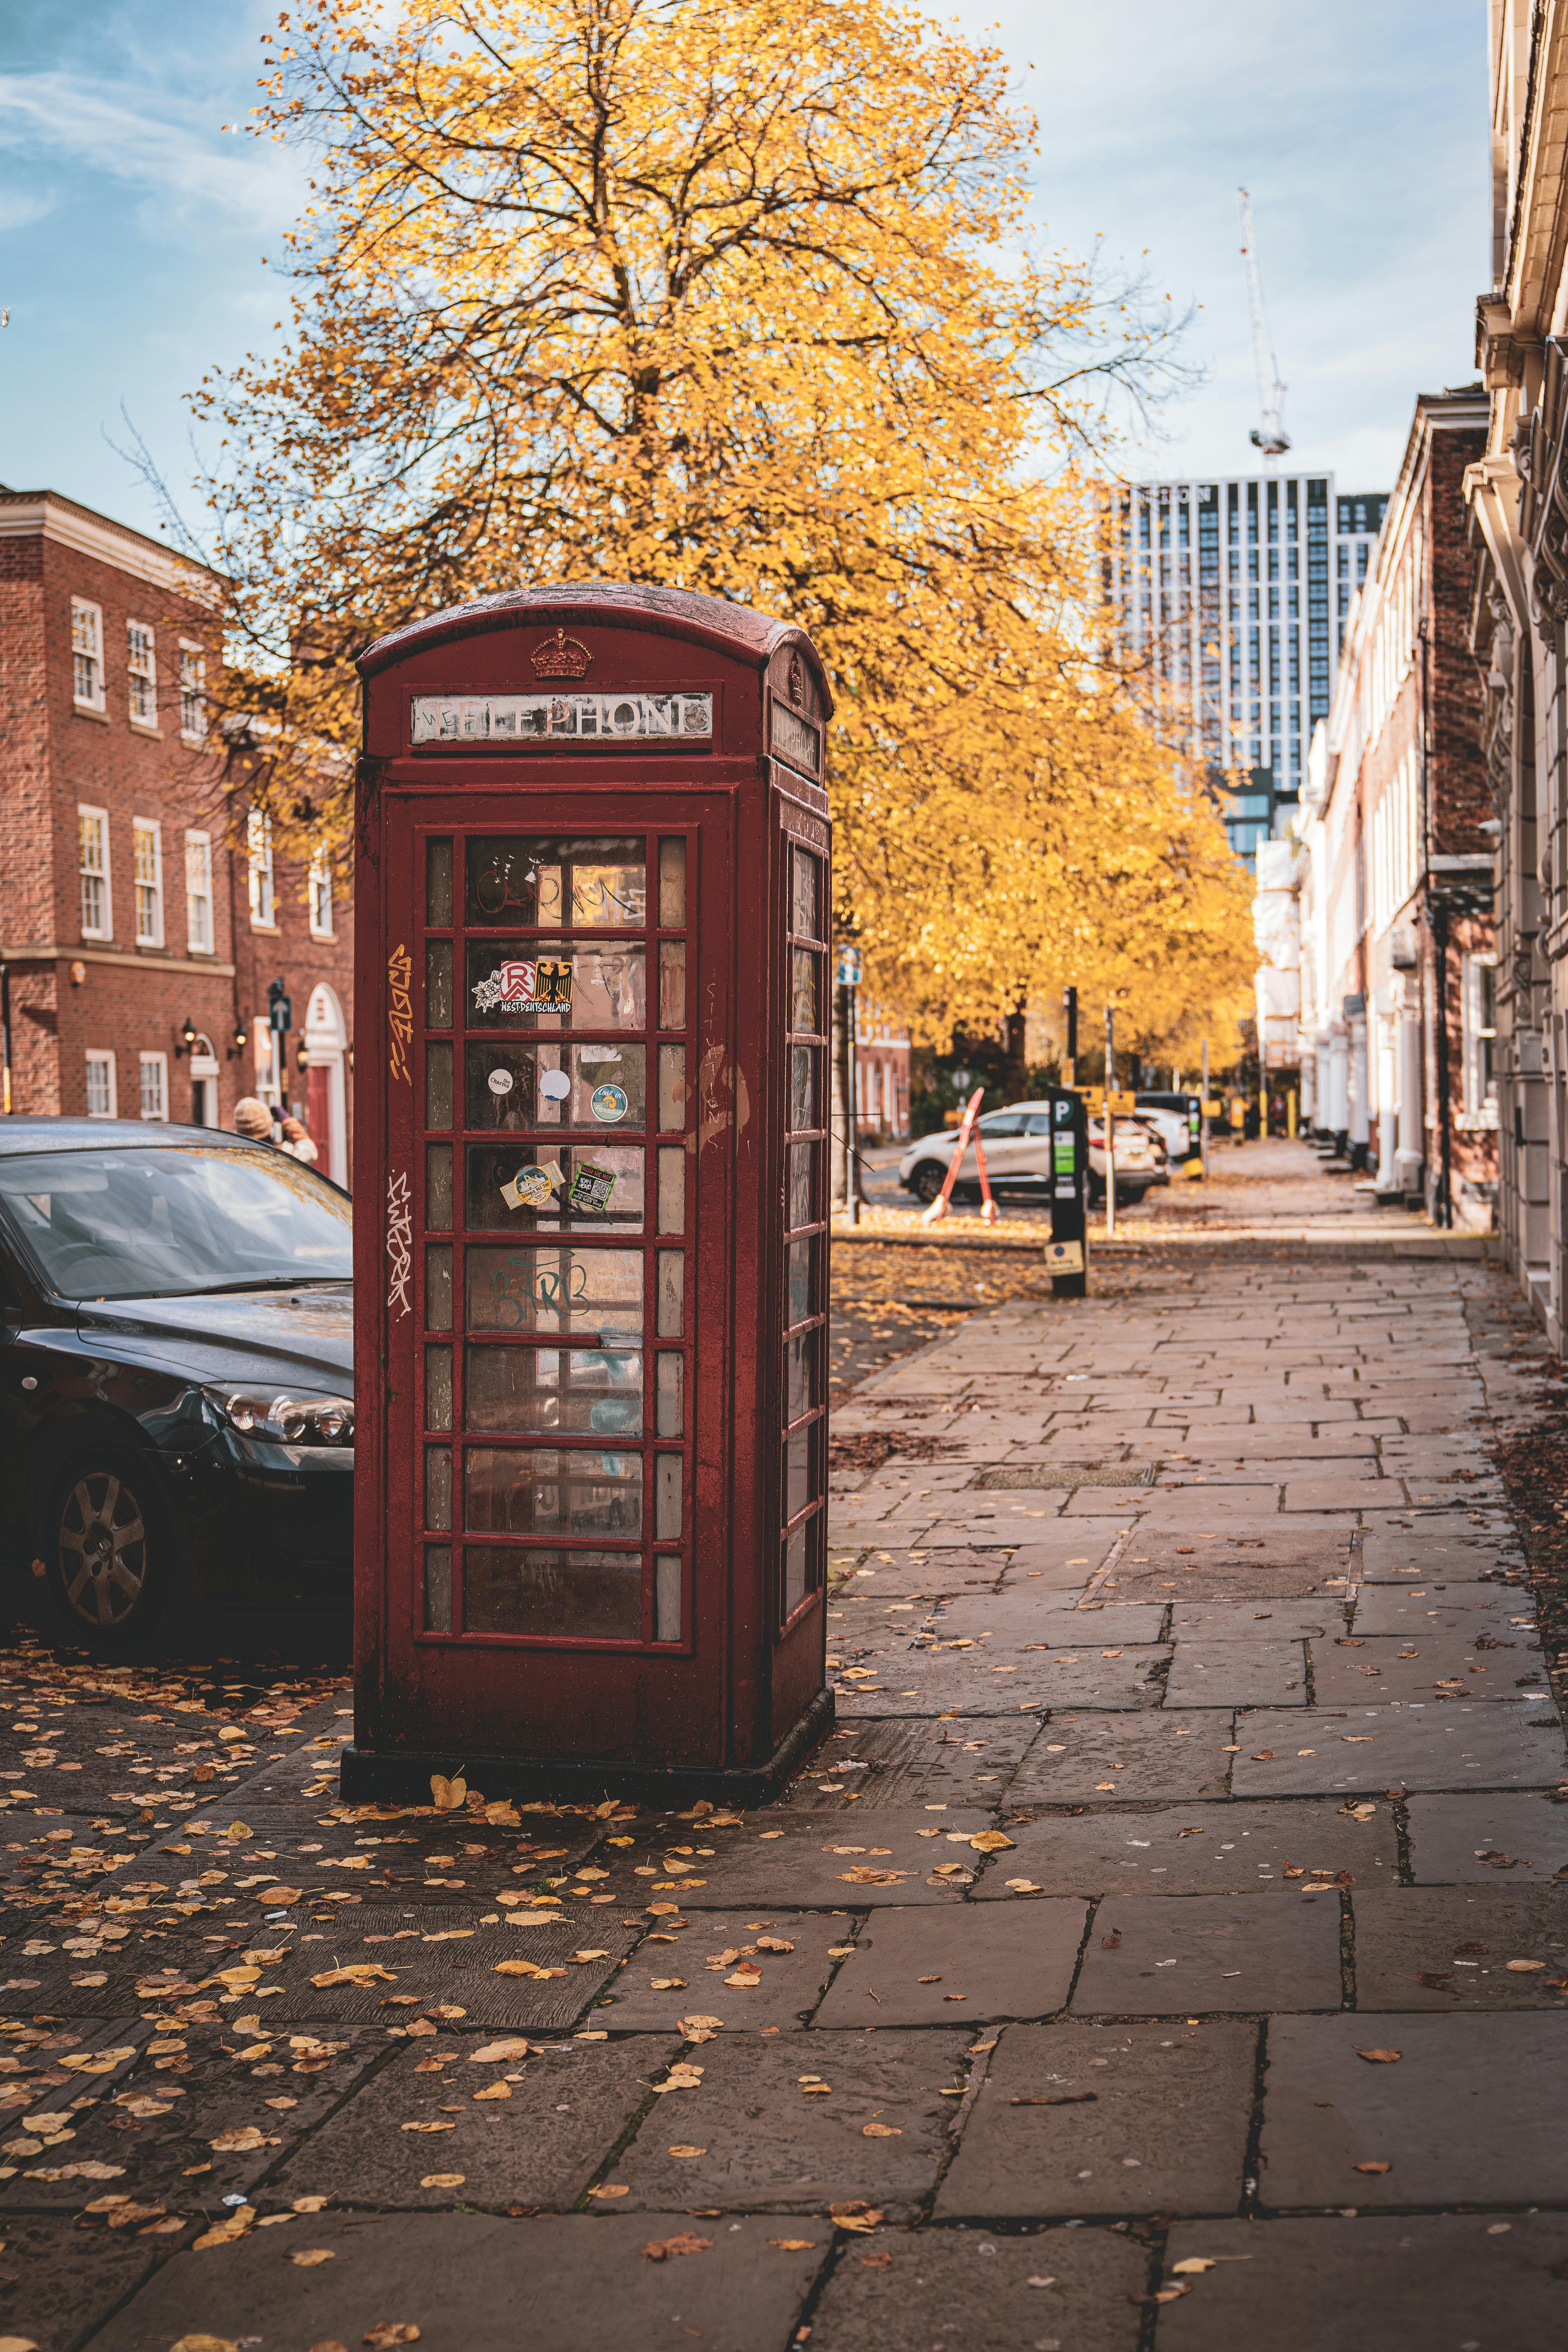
x=608, y=1103
x=501, y=1082
x=532, y=1186
x=555, y=1086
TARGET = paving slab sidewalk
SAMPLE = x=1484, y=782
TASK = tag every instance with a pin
x=1136, y=1933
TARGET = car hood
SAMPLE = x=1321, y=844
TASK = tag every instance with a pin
x=280, y=1338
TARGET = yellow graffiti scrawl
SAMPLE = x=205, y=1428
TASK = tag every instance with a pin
x=399, y=1013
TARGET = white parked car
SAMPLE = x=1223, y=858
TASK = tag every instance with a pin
x=1018, y=1158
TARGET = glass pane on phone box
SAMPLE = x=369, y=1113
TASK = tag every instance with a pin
x=801, y=1285
x=438, y=1083
x=672, y=882
x=803, y=1208
x=803, y=1368
x=573, y=1595
x=439, y=883
x=438, y=1287
x=670, y=1392
x=805, y=1069
x=671, y=1188
x=805, y=966
x=672, y=984
x=537, y=1491
x=667, y=1482
x=671, y=1292
x=667, y=1599
x=605, y=981
x=556, y=1289
x=438, y=1187
x=524, y=1084
x=531, y=1391
x=438, y=1587
x=533, y=880
x=591, y=1187
x=796, y=1568
x=799, y=1486
x=437, y=1388
x=438, y=1486
x=803, y=913
x=671, y=1089
x=438, y=984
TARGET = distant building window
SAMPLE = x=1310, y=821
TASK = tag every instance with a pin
x=320, y=897
x=263, y=893
x=199, y=893
x=147, y=853
x=87, y=653
x=155, y=1086
x=1480, y=1035
x=92, y=859
x=143, y=665
x=192, y=692
x=99, y=1084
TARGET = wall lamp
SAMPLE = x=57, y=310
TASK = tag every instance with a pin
x=187, y=1038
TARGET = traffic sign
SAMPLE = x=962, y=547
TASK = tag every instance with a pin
x=847, y=967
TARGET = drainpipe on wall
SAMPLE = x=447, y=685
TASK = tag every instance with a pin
x=7, y=1101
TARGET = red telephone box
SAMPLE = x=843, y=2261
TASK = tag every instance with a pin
x=592, y=915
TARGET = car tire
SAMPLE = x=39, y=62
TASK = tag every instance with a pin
x=108, y=1549
x=928, y=1180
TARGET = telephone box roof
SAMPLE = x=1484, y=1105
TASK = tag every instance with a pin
x=733, y=629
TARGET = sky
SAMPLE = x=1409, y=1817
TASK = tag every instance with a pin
x=132, y=226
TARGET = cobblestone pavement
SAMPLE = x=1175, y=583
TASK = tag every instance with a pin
x=1167, y=1953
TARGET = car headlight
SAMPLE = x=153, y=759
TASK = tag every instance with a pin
x=293, y=1420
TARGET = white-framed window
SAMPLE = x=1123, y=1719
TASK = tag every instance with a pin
x=141, y=662
x=147, y=856
x=1479, y=1013
x=155, y=1085
x=87, y=653
x=100, y=1102
x=263, y=890
x=199, y=893
x=192, y=692
x=92, y=861
x=321, y=890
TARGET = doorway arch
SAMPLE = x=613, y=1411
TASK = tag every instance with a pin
x=326, y=1101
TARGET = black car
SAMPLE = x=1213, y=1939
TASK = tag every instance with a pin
x=176, y=1372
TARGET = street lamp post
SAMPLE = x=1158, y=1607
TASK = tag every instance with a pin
x=848, y=978
x=1109, y=1124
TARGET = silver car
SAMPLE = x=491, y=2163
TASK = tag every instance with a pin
x=1017, y=1142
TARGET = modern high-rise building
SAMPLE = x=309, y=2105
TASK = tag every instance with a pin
x=1235, y=595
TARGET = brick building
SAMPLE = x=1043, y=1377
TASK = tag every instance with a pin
x=1395, y=862
x=141, y=934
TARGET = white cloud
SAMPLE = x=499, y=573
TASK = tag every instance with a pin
x=149, y=142
x=18, y=211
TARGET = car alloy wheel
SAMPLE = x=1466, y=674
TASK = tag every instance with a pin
x=103, y=1544
x=928, y=1180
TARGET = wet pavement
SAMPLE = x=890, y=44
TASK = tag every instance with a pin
x=1168, y=1949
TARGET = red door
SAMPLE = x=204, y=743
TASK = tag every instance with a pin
x=319, y=1114
x=558, y=1304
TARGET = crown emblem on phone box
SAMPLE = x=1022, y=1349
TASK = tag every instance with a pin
x=561, y=657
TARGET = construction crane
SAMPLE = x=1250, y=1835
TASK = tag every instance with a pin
x=1270, y=437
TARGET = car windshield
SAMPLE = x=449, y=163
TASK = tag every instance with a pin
x=167, y=1223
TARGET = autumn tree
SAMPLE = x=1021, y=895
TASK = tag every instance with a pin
x=741, y=300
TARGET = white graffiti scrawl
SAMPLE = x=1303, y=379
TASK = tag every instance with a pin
x=399, y=1242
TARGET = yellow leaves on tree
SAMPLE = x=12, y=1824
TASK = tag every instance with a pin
x=739, y=300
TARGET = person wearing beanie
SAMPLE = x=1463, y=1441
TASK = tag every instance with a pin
x=253, y=1120
x=297, y=1142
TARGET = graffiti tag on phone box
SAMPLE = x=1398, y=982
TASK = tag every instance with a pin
x=399, y=1242
x=399, y=1012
